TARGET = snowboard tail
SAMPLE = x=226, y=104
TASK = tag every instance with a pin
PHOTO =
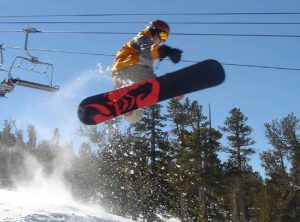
x=106, y=106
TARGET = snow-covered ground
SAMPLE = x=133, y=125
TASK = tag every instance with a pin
x=47, y=198
x=17, y=206
x=25, y=206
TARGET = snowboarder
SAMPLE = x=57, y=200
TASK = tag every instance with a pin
x=134, y=61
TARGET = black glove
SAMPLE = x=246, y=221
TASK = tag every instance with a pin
x=173, y=53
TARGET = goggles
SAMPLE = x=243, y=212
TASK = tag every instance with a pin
x=163, y=35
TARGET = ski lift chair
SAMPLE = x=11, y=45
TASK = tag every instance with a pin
x=31, y=64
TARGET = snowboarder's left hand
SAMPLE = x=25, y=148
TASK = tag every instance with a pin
x=173, y=53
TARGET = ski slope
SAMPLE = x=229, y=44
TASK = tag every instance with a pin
x=17, y=206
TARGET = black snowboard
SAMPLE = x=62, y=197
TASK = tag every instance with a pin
x=102, y=107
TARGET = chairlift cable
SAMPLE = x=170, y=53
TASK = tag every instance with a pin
x=60, y=51
x=178, y=34
x=153, y=14
x=11, y=30
x=144, y=22
x=253, y=66
x=259, y=66
x=187, y=61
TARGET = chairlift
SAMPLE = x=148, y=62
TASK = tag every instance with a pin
x=27, y=65
x=32, y=64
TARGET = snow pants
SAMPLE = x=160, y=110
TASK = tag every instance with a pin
x=129, y=76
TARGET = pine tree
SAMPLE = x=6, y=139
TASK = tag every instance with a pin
x=282, y=184
x=12, y=151
x=32, y=138
x=137, y=171
x=151, y=129
x=47, y=152
x=179, y=116
x=198, y=173
x=205, y=173
x=111, y=165
x=84, y=178
x=291, y=128
x=7, y=136
x=239, y=151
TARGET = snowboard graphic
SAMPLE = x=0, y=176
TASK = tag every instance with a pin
x=102, y=107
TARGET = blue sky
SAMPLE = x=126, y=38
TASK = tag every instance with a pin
x=261, y=94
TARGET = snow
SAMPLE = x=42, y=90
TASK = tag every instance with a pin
x=24, y=206
x=47, y=198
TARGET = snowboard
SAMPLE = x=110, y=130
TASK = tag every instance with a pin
x=102, y=107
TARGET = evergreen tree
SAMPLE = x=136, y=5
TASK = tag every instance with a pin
x=282, y=184
x=204, y=169
x=198, y=173
x=179, y=116
x=7, y=135
x=291, y=127
x=157, y=153
x=47, y=152
x=12, y=151
x=137, y=173
x=239, y=151
x=110, y=165
x=32, y=138
x=84, y=178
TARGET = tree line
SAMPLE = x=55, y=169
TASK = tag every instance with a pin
x=168, y=164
